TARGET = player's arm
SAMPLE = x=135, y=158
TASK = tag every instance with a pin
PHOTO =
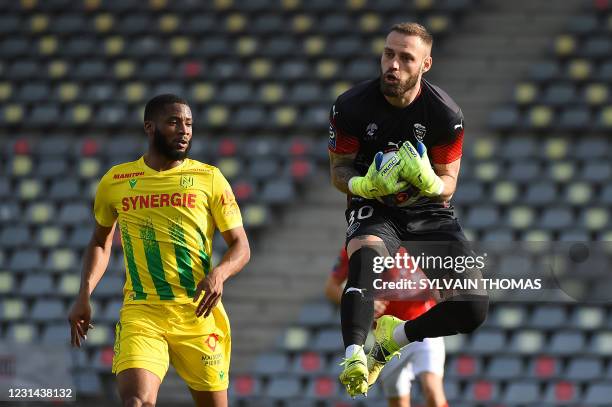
x=333, y=289
x=342, y=169
x=448, y=173
x=234, y=259
x=97, y=254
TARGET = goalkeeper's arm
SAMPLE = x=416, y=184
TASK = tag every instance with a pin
x=342, y=170
x=448, y=173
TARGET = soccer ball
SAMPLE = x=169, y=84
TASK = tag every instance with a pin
x=406, y=197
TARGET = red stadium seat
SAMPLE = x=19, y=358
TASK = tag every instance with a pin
x=227, y=147
x=22, y=146
x=301, y=169
x=544, y=367
x=325, y=387
x=89, y=148
x=310, y=362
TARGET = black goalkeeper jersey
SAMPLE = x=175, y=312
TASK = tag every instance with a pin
x=362, y=121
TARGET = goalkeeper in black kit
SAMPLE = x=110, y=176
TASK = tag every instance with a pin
x=395, y=148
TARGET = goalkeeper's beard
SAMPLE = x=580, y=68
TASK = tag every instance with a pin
x=397, y=89
x=164, y=148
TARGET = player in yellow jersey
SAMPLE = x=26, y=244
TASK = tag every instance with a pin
x=167, y=208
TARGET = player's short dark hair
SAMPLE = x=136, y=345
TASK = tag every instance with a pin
x=157, y=104
x=415, y=29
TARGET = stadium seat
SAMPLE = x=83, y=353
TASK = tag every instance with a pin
x=271, y=363
x=487, y=342
x=283, y=388
x=308, y=363
x=504, y=368
x=561, y=393
x=544, y=367
x=88, y=383
x=278, y=192
x=25, y=260
x=56, y=333
x=584, y=369
x=526, y=342
x=586, y=318
x=598, y=393
x=294, y=339
x=328, y=340
x=48, y=311
x=323, y=388
x=244, y=386
x=110, y=286
x=318, y=314
x=482, y=391
x=521, y=392
x=464, y=367
x=24, y=333
x=548, y=317
x=12, y=309
x=14, y=236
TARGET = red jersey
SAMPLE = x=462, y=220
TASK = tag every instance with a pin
x=404, y=310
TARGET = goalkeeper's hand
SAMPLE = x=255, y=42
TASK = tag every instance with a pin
x=381, y=179
x=417, y=170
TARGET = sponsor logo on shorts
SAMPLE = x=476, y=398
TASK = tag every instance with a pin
x=211, y=340
x=212, y=360
x=351, y=229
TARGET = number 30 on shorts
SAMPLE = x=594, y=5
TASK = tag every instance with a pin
x=362, y=213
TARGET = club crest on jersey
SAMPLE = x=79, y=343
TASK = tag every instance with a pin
x=370, y=130
x=419, y=131
x=186, y=181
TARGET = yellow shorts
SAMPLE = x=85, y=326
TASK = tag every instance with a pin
x=149, y=336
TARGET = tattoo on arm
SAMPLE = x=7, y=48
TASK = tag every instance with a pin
x=342, y=170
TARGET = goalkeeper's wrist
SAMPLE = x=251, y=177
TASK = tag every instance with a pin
x=436, y=188
x=350, y=185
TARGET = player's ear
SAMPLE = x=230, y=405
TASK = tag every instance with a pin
x=426, y=66
x=149, y=126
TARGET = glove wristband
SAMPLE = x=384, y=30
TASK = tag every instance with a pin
x=350, y=185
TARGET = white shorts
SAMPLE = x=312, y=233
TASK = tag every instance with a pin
x=416, y=358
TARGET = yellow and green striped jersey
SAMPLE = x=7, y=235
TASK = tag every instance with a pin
x=167, y=220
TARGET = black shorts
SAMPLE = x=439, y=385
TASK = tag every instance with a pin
x=430, y=231
x=395, y=225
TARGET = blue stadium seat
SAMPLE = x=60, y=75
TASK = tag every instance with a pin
x=283, y=388
x=504, y=368
x=598, y=393
x=521, y=392
x=271, y=363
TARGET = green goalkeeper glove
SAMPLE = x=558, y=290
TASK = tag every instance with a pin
x=417, y=170
x=382, y=178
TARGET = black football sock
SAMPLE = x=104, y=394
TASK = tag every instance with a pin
x=357, y=303
x=460, y=314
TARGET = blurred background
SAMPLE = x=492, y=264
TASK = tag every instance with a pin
x=532, y=77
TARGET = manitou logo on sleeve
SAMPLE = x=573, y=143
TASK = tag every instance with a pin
x=176, y=199
x=128, y=175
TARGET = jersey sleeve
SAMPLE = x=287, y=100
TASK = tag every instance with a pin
x=224, y=208
x=342, y=139
x=449, y=147
x=104, y=212
x=341, y=268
